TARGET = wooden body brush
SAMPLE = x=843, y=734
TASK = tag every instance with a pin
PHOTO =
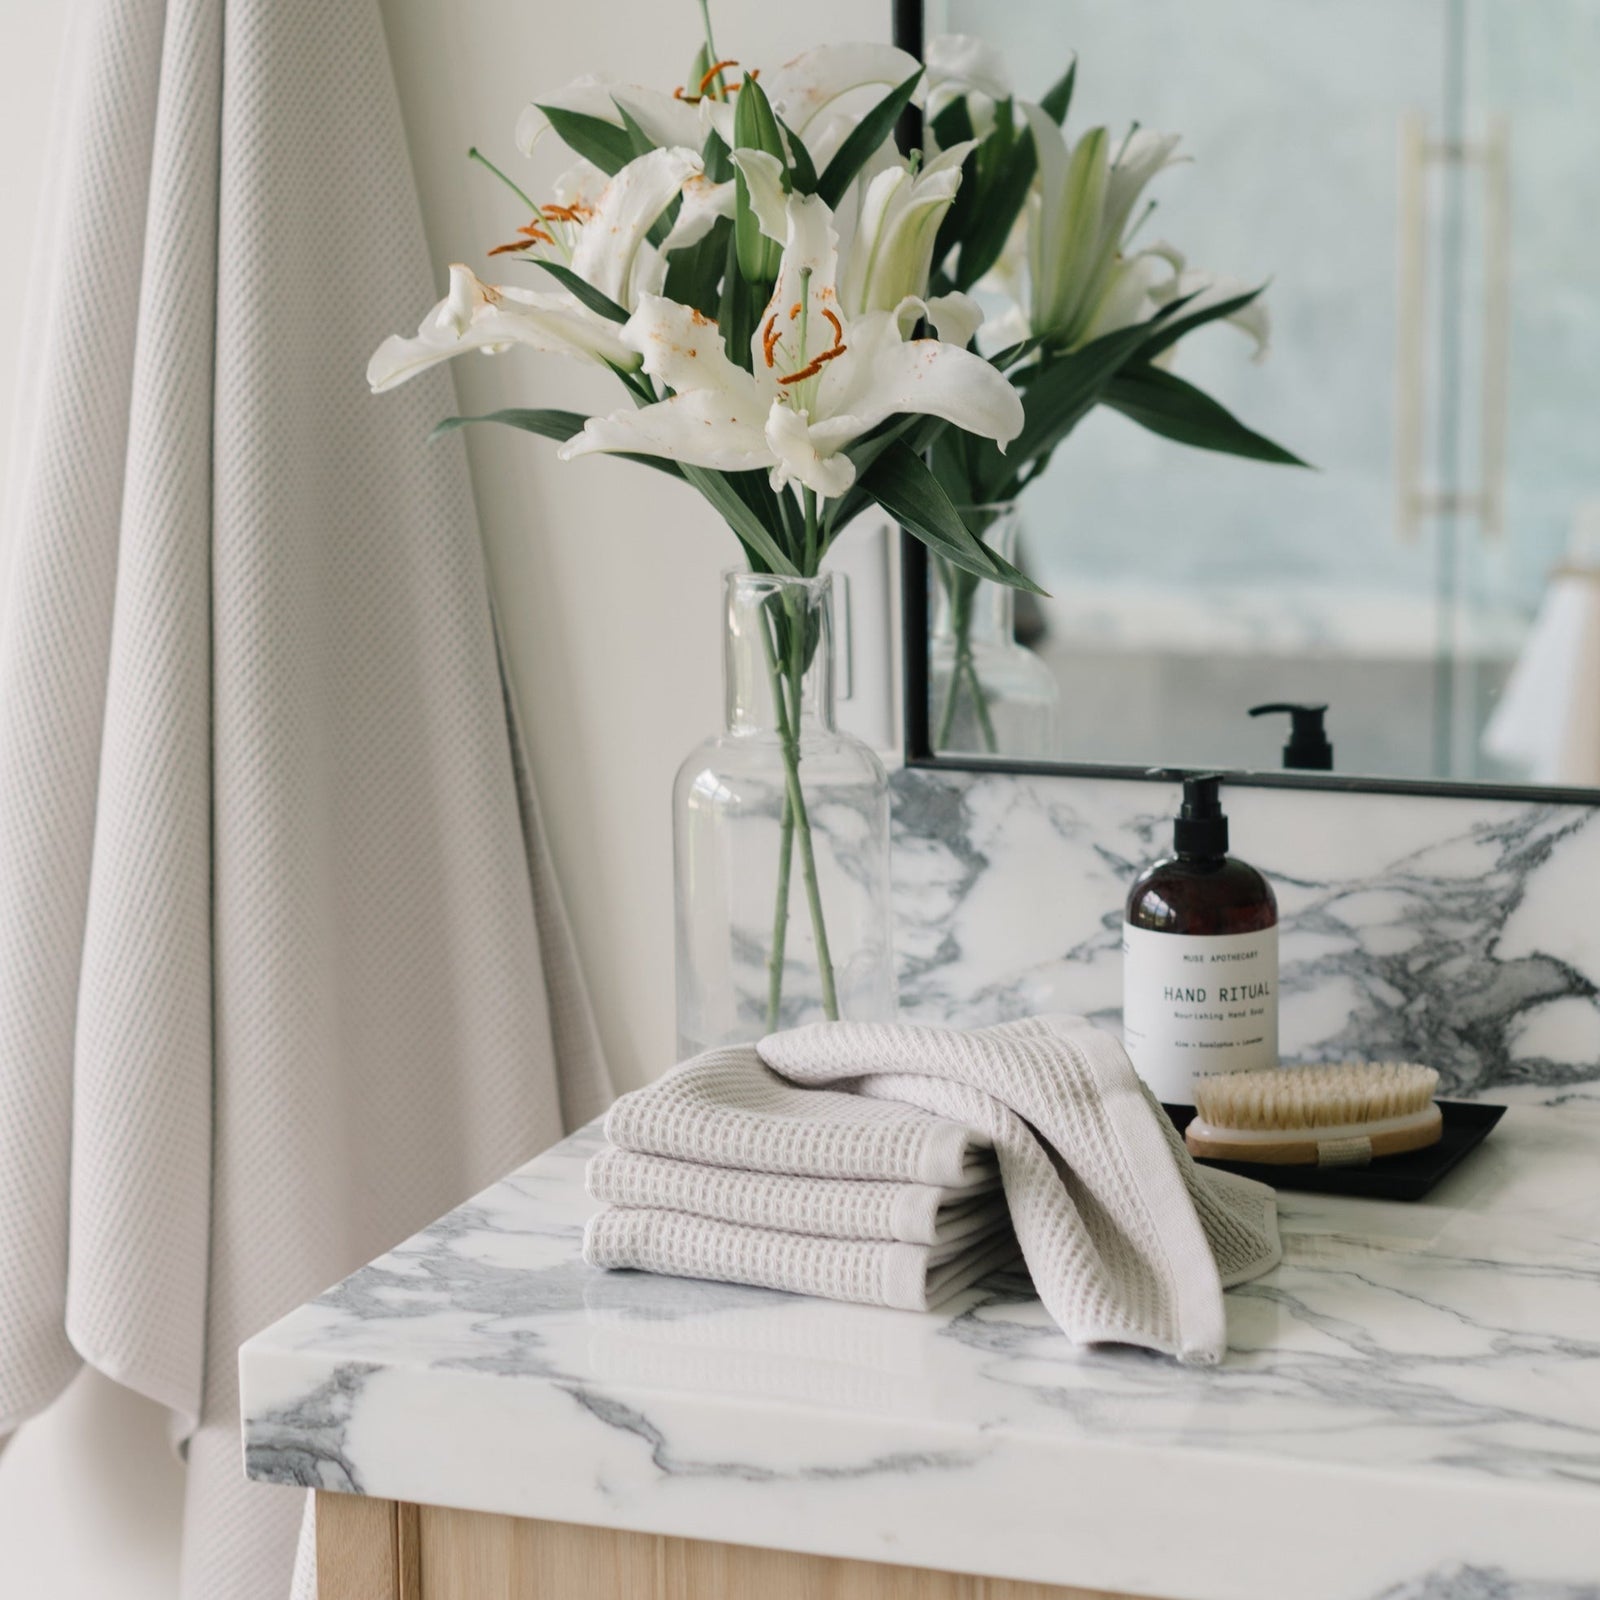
x=1344, y=1115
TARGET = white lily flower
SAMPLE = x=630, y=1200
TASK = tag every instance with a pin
x=492, y=318
x=961, y=66
x=802, y=91
x=603, y=241
x=1157, y=276
x=1086, y=199
x=887, y=229
x=822, y=378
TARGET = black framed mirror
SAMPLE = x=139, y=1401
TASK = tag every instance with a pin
x=1408, y=182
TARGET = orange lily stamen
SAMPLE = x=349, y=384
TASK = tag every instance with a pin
x=716, y=71
x=769, y=337
x=815, y=365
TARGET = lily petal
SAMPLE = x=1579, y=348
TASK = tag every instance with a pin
x=703, y=202
x=802, y=89
x=607, y=250
x=718, y=414
x=881, y=376
x=763, y=177
x=589, y=95
x=798, y=461
x=959, y=63
x=810, y=268
x=664, y=118
x=477, y=316
x=956, y=317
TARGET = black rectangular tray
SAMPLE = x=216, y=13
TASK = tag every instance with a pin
x=1408, y=1176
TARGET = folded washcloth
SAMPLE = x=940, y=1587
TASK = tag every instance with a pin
x=726, y=1109
x=826, y=1208
x=1126, y=1239
x=909, y=1277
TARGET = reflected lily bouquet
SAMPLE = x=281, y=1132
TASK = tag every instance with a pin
x=1044, y=229
x=782, y=293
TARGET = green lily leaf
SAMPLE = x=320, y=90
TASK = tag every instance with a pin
x=900, y=481
x=762, y=548
x=602, y=304
x=609, y=147
x=755, y=127
x=1175, y=409
x=864, y=141
x=1001, y=202
x=802, y=171
x=551, y=424
x=694, y=275
x=1058, y=97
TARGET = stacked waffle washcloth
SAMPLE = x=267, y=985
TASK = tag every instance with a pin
x=743, y=1164
x=722, y=1169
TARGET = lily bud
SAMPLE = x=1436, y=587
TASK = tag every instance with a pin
x=755, y=128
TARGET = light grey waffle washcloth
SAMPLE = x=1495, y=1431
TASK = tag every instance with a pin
x=723, y=1169
x=727, y=1108
x=908, y=1277
x=1125, y=1238
x=825, y=1208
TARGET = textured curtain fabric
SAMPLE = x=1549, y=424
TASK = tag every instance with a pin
x=283, y=968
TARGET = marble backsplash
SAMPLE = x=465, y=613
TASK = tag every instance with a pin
x=1463, y=933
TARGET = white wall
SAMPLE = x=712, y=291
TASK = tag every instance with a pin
x=607, y=579
x=607, y=574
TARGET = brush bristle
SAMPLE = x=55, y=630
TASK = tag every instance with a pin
x=1315, y=1097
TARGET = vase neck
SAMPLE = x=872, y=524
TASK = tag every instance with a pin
x=779, y=631
x=990, y=608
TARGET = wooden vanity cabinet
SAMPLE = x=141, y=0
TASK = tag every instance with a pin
x=371, y=1549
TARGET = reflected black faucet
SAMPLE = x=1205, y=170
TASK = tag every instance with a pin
x=1308, y=749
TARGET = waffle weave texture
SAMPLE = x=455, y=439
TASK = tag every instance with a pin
x=826, y=1208
x=1126, y=1239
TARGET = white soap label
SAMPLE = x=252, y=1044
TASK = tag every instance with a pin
x=1197, y=1005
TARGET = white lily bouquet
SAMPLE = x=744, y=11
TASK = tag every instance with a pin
x=753, y=258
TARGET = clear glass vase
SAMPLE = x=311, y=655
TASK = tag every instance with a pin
x=987, y=694
x=780, y=837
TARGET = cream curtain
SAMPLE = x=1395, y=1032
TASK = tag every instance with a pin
x=283, y=968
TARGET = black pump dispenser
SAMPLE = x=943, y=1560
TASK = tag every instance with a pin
x=1308, y=749
x=1200, y=830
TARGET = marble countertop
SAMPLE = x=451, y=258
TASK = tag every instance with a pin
x=1410, y=1406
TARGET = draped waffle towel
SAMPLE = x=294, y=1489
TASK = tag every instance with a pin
x=283, y=970
x=1126, y=1239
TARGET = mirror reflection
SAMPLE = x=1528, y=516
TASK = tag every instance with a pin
x=1413, y=183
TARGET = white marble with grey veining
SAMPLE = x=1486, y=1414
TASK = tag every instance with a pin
x=1410, y=1408
x=1464, y=933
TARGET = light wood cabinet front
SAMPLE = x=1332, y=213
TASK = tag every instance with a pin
x=378, y=1550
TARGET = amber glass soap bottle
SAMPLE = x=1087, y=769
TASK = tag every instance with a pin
x=1199, y=957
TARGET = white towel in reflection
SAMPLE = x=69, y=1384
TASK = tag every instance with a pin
x=1548, y=718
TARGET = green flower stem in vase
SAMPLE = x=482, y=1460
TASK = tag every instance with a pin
x=781, y=836
x=989, y=695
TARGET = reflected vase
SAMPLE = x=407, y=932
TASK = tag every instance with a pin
x=987, y=693
x=780, y=836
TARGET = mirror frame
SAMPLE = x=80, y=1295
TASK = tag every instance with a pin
x=908, y=34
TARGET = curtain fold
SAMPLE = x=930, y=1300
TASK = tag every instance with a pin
x=284, y=972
